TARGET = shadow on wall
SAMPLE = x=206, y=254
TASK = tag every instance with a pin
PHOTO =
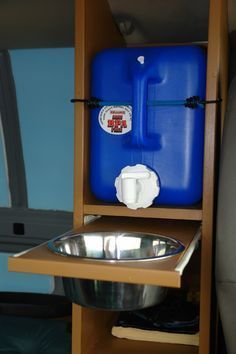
x=232, y=58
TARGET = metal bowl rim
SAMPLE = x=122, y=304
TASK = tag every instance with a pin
x=52, y=248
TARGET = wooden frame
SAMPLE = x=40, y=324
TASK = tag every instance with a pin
x=216, y=77
x=95, y=30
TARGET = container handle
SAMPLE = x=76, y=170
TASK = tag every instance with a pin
x=139, y=137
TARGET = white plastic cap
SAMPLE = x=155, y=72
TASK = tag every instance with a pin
x=141, y=59
x=137, y=186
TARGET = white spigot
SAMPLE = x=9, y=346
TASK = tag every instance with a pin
x=137, y=186
x=130, y=185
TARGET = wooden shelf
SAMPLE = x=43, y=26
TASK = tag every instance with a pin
x=113, y=345
x=188, y=213
x=165, y=272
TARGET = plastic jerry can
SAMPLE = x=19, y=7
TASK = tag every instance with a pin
x=129, y=129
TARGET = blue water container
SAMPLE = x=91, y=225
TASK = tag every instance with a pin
x=168, y=139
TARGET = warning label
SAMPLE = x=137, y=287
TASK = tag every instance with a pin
x=116, y=119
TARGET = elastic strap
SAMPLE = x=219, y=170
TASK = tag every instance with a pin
x=190, y=102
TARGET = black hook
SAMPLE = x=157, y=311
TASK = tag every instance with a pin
x=93, y=102
x=194, y=101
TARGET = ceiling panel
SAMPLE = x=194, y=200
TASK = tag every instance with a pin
x=163, y=21
x=50, y=23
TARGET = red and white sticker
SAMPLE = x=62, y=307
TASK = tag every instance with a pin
x=115, y=119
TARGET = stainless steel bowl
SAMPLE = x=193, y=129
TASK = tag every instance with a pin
x=114, y=247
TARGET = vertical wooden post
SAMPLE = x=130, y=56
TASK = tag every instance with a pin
x=94, y=31
x=79, y=142
x=215, y=65
x=76, y=329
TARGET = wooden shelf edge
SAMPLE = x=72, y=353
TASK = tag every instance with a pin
x=114, y=345
x=46, y=263
x=162, y=272
x=161, y=213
